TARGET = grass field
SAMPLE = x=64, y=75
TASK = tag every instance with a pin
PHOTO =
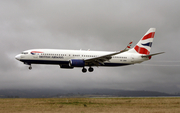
x=90, y=105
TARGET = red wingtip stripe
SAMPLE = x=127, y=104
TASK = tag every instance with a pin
x=150, y=35
x=141, y=50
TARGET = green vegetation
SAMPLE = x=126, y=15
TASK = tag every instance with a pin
x=89, y=105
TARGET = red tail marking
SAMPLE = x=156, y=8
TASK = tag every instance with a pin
x=150, y=35
x=141, y=50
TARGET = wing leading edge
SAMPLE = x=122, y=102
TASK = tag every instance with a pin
x=101, y=59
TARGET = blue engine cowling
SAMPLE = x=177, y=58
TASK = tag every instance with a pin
x=77, y=63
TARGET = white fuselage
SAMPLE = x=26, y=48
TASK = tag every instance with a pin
x=60, y=57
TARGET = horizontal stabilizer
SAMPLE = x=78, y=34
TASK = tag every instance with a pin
x=152, y=54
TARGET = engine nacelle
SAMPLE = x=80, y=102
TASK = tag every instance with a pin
x=77, y=63
x=66, y=66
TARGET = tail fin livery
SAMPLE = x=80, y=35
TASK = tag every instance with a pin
x=145, y=44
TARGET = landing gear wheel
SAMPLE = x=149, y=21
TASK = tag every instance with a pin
x=30, y=67
x=84, y=70
x=90, y=69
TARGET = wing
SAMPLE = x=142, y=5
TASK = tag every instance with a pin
x=101, y=59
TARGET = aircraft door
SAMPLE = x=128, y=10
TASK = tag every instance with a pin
x=35, y=55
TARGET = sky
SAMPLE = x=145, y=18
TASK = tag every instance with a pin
x=103, y=25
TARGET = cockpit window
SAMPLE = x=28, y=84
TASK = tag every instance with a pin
x=24, y=53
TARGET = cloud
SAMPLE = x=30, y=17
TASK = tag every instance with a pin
x=96, y=25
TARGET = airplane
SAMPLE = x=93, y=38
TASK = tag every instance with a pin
x=69, y=59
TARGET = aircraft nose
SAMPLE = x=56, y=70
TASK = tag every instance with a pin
x=18, y=57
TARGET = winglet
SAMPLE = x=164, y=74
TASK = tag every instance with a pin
x=128, y=46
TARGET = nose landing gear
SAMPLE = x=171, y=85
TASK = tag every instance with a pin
x=30, y=67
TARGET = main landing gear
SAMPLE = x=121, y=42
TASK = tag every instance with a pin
x=90, y=69
x=30, y=67
x=84, y=70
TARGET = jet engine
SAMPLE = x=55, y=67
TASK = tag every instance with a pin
x=77, y=63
